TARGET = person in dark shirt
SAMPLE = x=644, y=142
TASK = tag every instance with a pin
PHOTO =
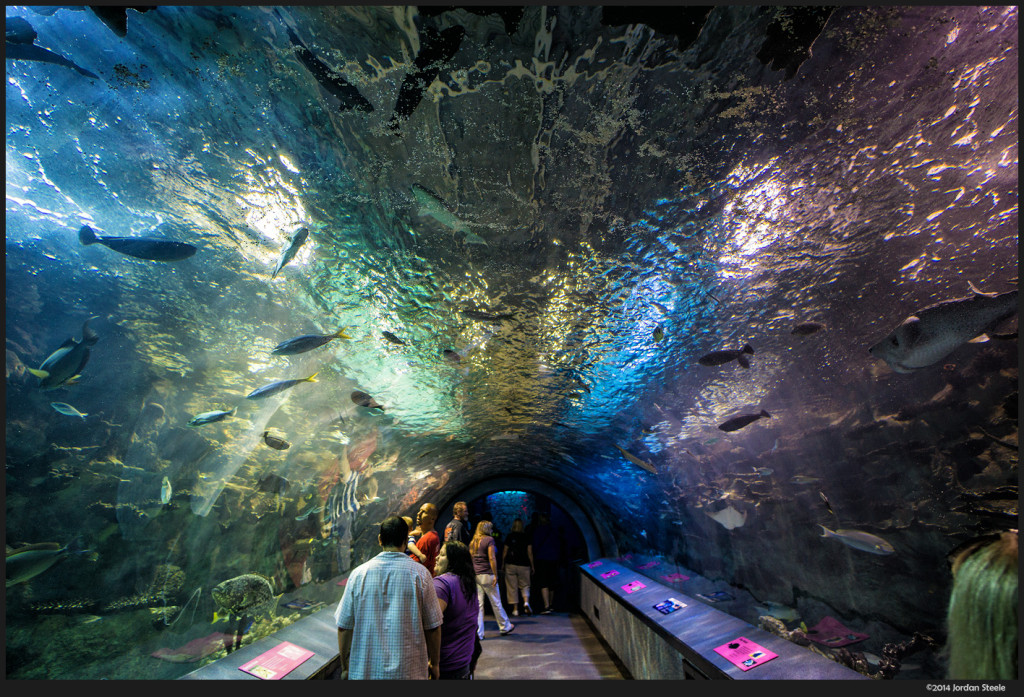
x=517, y=558
x=458, y=528
x=547, y=547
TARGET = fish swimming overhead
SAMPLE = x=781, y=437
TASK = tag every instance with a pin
x=275, y=442
x=828, y=505
x=365, y=400
x=858, y=539
x=27, y=562
x=64, y=366
x=932, y=333
x=738, y=422
x=803, y=479
x=436, y=49
x=332, y=82
x=149, y=248
x=19, y=44
x=488, y=316
x=430, y=204
x=806, y=328
x=279, y=386
x=211, y=416
x=636, y=461
x=165, y=491
x=392, y=338
x=298, y=239
x=306, y=342
x=724, y=356
x=67, y=409
x=658, y=334
x=247, y=594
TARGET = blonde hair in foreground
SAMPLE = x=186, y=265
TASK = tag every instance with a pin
x=982, y=616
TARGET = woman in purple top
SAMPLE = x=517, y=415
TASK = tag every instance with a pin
x=454, y=586
x=485, y=565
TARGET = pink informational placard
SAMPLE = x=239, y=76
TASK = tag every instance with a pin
x=609, y=574
x=633, y=586
x=592, y=564
x=744, y=653
x=278, y=662
x=648, y=565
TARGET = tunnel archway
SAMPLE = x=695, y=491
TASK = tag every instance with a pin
x=597, y=536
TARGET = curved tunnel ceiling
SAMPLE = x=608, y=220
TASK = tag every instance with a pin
x=532, y=225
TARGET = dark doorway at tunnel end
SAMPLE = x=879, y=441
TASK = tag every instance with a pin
x=502, y=508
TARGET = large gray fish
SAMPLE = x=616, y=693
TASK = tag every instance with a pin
x=298, y=239
x=19, y=44
x=931, y=334
x=721, y=357
x=209, y=417
x=738, y=422
x=65, y=365
x=247, y=594
x=279, y=386
x=306, y=342
x=149, y=248
x=858, y=539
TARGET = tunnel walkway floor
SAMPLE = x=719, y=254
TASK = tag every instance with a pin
x=559, y=646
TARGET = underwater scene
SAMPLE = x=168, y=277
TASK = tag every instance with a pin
x=738, y=283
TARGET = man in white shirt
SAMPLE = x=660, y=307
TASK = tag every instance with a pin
x=389, y=620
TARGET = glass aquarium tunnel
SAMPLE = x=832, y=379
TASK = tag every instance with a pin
x=731, y=289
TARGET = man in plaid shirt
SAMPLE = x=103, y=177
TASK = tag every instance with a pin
x=389, y=620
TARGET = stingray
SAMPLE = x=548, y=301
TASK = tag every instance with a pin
x=729, y=518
